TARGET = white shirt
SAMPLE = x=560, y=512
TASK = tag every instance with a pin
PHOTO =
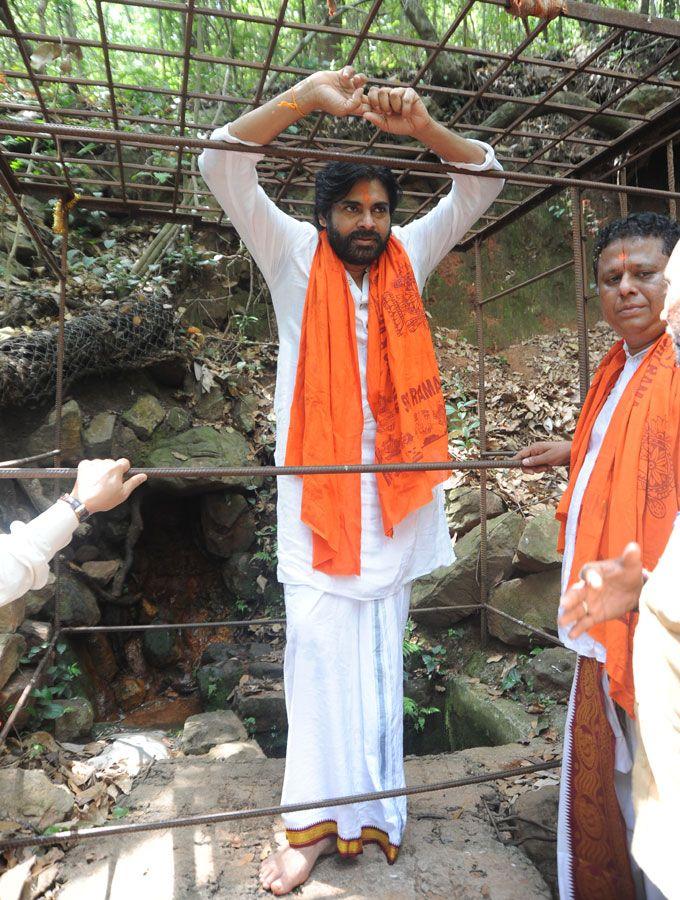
x=586, y=645
x=283, y=248
x=25, y=552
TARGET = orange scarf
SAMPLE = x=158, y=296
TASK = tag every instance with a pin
x=634, y=491
x=326, y=419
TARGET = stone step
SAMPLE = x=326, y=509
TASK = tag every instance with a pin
x=450, y=848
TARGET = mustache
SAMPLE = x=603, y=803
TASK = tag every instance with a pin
x=364, y=235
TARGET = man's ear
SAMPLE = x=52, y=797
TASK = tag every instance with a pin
x=322, y=221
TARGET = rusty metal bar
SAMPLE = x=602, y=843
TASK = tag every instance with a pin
x=188, y=30
x=526, y=282
x=102, y=831
x=45, y=252
x=112, y=93
x=545, y=635
x=670, y=168
x=481, y=410
x=579, y=287
x=25, y=694
x=270, y=53
x=27, y=459
x=622, y=178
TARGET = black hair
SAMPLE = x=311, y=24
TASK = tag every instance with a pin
x=337, y=179
x=637, y=225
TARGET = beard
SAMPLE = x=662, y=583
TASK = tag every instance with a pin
x=349, y=251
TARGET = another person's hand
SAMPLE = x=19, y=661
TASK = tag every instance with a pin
x=606, y=590
x=337, y=93
x=99, y=485
x=544, y=455
x=396, y=110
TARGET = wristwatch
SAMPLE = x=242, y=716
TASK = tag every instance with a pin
x=81, y=511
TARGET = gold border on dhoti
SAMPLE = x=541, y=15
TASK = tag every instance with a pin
x=346, y=847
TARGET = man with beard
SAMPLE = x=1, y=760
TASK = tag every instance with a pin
x=612, y=589
x=357, y=382
x=624, y=487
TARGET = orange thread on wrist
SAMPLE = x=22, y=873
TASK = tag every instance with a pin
x=294, y=105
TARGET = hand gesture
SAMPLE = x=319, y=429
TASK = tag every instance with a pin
x=100, y=486
x=337, y=93
x=544, y=455
x=396, y=110
x=606, y=590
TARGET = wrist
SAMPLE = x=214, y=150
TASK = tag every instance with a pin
x=426, y=132
x=305, y=92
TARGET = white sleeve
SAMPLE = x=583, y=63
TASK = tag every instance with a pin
x=25, y=553
x=428, y=239
x=269, y=234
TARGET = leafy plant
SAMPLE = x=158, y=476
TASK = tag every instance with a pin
x=249, y=725
x=417, y=713
x=511, y=680
x=61, y=674
x=463, y=423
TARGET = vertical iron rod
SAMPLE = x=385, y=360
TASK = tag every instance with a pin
x=623, y=198
x=579, y=287
x=670, y=163
x=481, y=409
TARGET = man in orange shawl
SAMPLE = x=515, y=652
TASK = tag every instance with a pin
x=357, y=382
x=624, y=486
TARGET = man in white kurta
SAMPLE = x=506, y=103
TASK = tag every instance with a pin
x=343, y=667
x=631, y=256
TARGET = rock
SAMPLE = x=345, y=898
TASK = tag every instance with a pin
x=462, y=508
x=36, y=601
x=240, y=574
x=130, y=692
x=209, y=729
x=176, y=419
x=553, y=668
x=42, y=494
x=475, y=718
x=26, y=252
x=539, y=807
x=132, y=752
x=127, y=444
x=228, y=526
x=245, y=412
x=76, y=721
x=86, y=553
x=71, y=435
x=237, y=751
x=533, y=599
x=144, y=416
x=29, y=794
x=12, y=648
x=160, y=646
x=203, y=446
x=134, y=654
x=11, y=692
x=537, y=549
x=77, y=603
x=12, y=615
x=102, y=571
x=458, y=584
x=98, y=435
x=211, y=405
x=216, y=682
x=35, y=632
x=266, y=708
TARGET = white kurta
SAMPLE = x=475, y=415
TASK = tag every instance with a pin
x=26, y=552
x=283, y=249
x=585, y=645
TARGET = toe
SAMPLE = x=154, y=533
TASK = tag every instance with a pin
x=277, y=888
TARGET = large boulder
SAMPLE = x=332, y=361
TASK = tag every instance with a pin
x=264, y=711
x=28, y=794
x=553, y=669
x=76, y=721
x=161, y=647
x=534, y=600
x=144, y=416
x=71, y=434
x=536, y=813
x=237, y=751
x=476, y=718
x=98, y=435
x=198, y=447
x=244, y=580
x=41, y=600
x=206, y=730
x=216, y=682
x=76, y=602
x=537, y=548
x=462, y=507
x=458, y=584
x=10, y=693
x=12, y=648
x=228, y=526
x=12, y=615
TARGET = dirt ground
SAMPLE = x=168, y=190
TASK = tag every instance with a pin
x=450, y=849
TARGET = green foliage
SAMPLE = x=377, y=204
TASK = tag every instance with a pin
x=417, y=714
x=60, y=685
x=266, y=539
x=417, y=653
x=249, y=725
x=511, y=680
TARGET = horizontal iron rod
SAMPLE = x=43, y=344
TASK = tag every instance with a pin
x=103, y=831
x=111, y=136
x=278, y=471
x=528, y=281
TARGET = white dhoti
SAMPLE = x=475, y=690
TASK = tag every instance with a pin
x=344, y=697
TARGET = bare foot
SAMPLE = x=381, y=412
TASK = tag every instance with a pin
x=290, y=866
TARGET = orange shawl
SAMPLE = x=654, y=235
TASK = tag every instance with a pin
x=634, y=491
x=404, y=394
